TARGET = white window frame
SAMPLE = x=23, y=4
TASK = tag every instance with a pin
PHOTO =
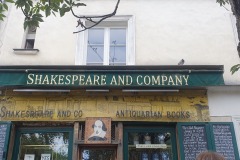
x=81, y=50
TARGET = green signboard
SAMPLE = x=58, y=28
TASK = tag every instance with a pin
x=111, y=78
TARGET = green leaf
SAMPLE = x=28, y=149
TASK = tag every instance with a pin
x=55, y=7
x=38, y=10
x=67, y=2
x=25, y=24
x=2, y=15
x=43, y=1
x=64, y=6
x=37, y=15
x=48, y=11
x=10, y=1
x=61, y=11
x=20, y=3
x=27, y=8
x=1, y=8
x=30, y=3
x=42, y=8
x=38, y=19
x=235, y=68
x=5, y=6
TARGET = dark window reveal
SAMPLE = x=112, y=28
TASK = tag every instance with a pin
x=29, y=43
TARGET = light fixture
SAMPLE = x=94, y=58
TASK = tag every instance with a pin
x=150, y=90
x=97, y=90
x=40, y=90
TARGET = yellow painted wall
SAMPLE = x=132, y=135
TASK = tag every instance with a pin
x=77, y=105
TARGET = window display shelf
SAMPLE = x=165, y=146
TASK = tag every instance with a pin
x=150, y=146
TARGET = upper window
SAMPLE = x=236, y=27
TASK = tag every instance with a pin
x=106, y=46
x=30, y=38
x=109, y=43
x=28, y=42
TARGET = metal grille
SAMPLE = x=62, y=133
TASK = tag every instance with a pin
x=82, y=130
x=113, y=131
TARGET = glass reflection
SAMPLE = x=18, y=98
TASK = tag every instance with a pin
x=150, y=145
x=113, y=46
x=95, y=46
x=117, y=54
x=46, y=146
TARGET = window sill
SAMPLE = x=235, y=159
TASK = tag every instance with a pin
x=26, y=51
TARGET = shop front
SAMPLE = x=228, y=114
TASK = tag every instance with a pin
x=101, y=113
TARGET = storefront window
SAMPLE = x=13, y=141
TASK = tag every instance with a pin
x=150, y=144
x=44, y=146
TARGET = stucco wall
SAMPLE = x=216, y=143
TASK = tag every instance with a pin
x=224, y=101
x=166, y=31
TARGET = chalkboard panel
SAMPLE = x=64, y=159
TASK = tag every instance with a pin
x=4, y=136
x=193, y=140
x=223, y=140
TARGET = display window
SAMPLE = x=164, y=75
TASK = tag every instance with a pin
x=43, y=144
x=150, y=143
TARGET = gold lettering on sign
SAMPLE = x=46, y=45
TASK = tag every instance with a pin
x=138, y=79
x=128, y=80
x=112, y=80
x=96, y=80
x=103, y=79
x=68, y=81
x=156, y=80
x=81, y=79
x=186, y=79
x=30, y=77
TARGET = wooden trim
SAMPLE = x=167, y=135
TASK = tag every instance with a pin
x=75, y=137
x=119, y=130
x=11, y=142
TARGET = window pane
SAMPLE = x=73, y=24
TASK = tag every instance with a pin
x=52, y=146
x=29, y=44
x=95, y=36
x=95, y=46
x=117, y=55
x=118, y=36
x=95, y=54
x=139, y=143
